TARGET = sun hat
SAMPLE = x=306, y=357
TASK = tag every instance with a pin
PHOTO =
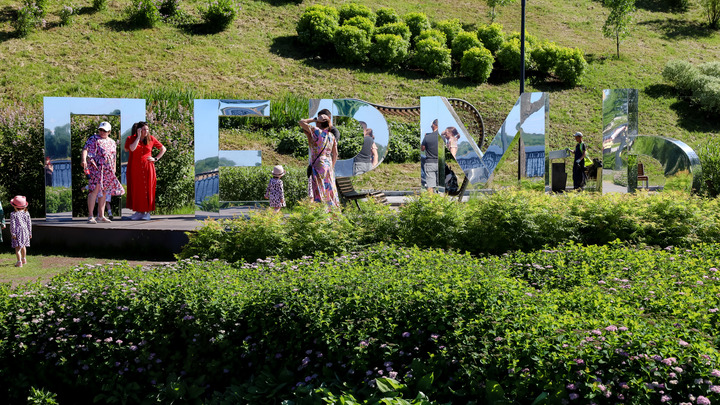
x=578, y=134
x=19, y=201
x=105, y=125
x=278, y=171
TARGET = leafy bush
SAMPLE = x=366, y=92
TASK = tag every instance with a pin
x=681, y=73
x=350, y=10
x=169, y=8
x=41, y=7
x=508, y=56
x=143, y=13
x=26, y=20
x=531, y=40
x=58, y=199
x=437, y=35
x=492, y=36
x=709, y=155
x=316, y=27
x=352, y=44
x=712, y=12
x=450, y=28
x=545, y=57
x=398, y=28
x=219, y=14
x=680, y=5
x=417, y=22
x=707, y=93
x=570, y=65
x=432, y=57
x=477, y=64
x=702, y=83
x=99, y=5
x=66, y=15
x=464, y=41
x=389, y=50
x=710, y=68
x=361, y=22
x=386, y=15
x=293, y=142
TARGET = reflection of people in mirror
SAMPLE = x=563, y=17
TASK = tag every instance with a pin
x=323, y=155
x=579, y=162
x=429, y=145
x=141, y=177
x=49, y=169
x=20, y=228
x=451, y=136
x=275, y=192
x=2, y=220
x=98, y=160
x=368, y=156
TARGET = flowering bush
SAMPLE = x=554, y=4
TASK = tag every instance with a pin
x=219, y=14
x=27, y=20
x=586, y=324
x=143, y=13
x=66, y=15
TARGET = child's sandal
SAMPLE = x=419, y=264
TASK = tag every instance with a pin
x=24, y=261
x=18, y=264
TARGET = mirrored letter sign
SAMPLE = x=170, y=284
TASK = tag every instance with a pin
x=57, y=113
x=208, y=156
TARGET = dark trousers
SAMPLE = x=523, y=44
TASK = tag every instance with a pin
x=578, y=175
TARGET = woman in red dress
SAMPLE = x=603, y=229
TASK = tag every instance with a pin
x=141, y=179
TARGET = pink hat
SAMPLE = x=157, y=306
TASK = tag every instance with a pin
x=19, y=201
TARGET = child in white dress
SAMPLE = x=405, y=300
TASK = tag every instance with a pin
x=275, y=192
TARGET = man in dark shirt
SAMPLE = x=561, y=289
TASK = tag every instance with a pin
x=429, y=145
x=368, y=156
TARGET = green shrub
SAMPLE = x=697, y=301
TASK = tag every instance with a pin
x=712, y=12
x=509, y=58
x=58, y=199
x=681, y=73
x=40, y=7
x=570, y=66
x=316, y=27
x=701, y=83
x=464, y=41
x=26, y=21
x=710, y=68
x=350, y=10
x=361, y=22
x=99, y=5
x=417, y=22
x=531, y=40
x=432, y=57
x=169, y=8
x=545, y=57
x=66, y=15
x=389, y=50
x=680, y=5
x=437, y=35
x=398, y=28
x=477, y=64
x=352, y=44
x=293, y=142
x=386, y=15
x=431, y=220
x=492, y=36
x=450, y=28
x=404, y=146
x=219, y=14
x=143, y=13
x=708, y=94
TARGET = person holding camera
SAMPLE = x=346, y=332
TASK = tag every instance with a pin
x=323, y=155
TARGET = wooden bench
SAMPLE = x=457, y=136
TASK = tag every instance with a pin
x=642, y=176
x=348, y=192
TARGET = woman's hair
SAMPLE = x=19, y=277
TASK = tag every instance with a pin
x=453, y=132
x=139, y=125
x=323, y=124
x=369, y=132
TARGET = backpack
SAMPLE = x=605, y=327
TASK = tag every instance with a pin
x=451, y=182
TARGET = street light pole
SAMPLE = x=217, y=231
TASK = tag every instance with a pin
x=522, y=74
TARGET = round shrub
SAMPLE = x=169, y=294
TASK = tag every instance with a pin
x=570, y=65
x=530, y=40
x=432, y=57
x=434, y=34
x=710, y=69
x=99, y=5
x=417, y=22
x=544, y=57
x=386, y=15
x=397, y=28
x=389, y=50
x=464, y=41
x=352, y=44
x=316, y=28
x=350, y=10
x=477, y=64
x=361, y=22
x=169, y=8
x=509, y=56
x=707, y=93
x=681, y=73
x=219, y=14
x=143, y=13
x=450, y=28
x=329, y=10
x=66, y=15
x=492, y=36
x=26, y=21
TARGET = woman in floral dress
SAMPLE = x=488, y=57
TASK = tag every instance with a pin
x=98, y=161
x=324, y=154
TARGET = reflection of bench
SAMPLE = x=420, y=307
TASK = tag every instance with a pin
x=642, y=177
x=348, y=192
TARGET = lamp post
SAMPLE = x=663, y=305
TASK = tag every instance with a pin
x=522, y=74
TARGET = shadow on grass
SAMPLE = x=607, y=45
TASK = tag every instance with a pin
x=680, y=29
x=86, y=10
x=690, y=116
x=657, y=6
x=122, y=26
x=200, y=28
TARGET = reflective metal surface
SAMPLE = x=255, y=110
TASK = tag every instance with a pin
x=675, y=156
x=208, y=156
x=369, y=117
x=620, y=127
x=57, y=112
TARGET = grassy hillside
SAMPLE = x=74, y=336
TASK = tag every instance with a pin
x=259, y=57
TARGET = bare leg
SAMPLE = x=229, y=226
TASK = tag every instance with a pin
x=18, y=254
x=23, y=252
x=101, y=206
x=91, y=201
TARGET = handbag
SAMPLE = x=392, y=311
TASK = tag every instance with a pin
x=310, y=166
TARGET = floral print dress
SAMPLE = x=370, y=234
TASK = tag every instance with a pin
x=323, y=174
x=275, y=193
x=20, y=228
x=103, y=152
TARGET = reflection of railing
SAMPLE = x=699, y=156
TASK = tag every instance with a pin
x=62, y=173
x=207, y=184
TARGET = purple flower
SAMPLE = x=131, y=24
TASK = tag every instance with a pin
x=579, y=361
x=715, y=389
x=665, y=398
x=406, y=334
x=715, y=373
x=683, y=343
x=574, y=396
x=611, y=328
x=701, y=400
x=571, y=387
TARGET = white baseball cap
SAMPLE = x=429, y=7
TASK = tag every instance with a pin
x=105, y=125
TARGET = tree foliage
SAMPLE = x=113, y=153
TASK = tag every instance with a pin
x=618, y=22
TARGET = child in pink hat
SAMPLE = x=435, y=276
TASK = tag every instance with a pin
x=20, y=228
x=275, y=192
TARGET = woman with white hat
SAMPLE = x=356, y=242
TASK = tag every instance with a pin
x=101, y=151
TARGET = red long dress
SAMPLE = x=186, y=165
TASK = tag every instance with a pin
x=141, y=179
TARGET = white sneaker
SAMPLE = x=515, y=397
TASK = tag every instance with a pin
x=136, y=216
x=146, y=217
